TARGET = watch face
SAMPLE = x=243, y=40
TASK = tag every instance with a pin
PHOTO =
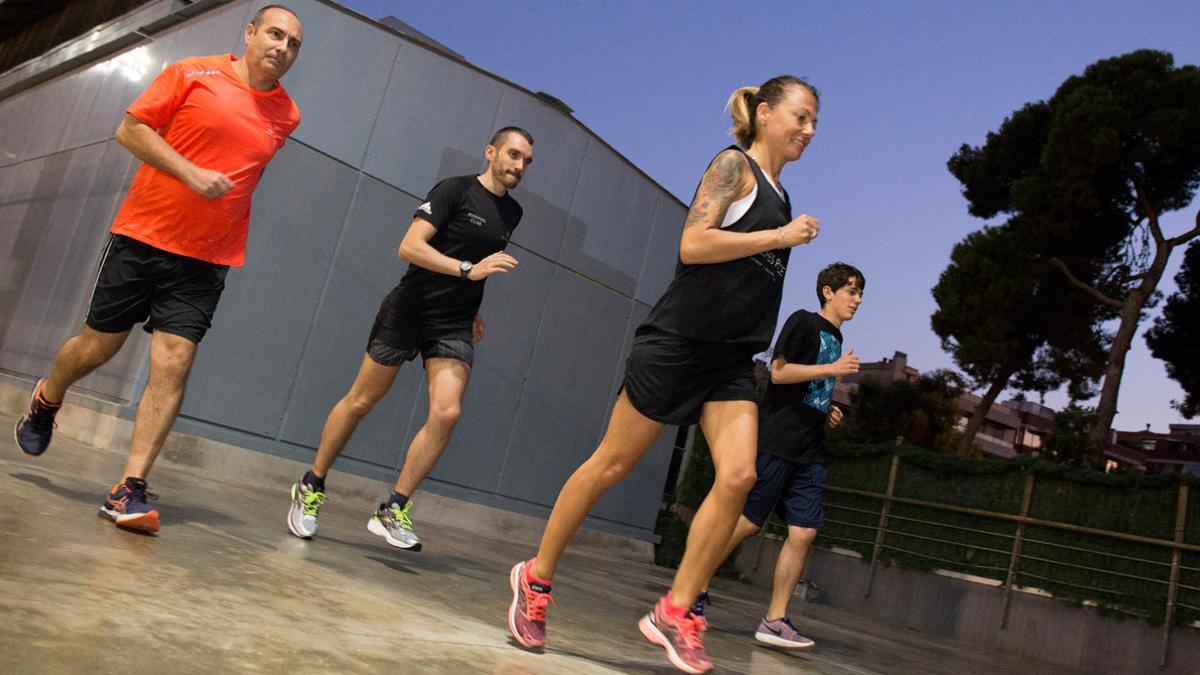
x=465, y=266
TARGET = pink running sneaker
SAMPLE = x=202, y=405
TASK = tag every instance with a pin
x=680, y=637
x=781, y=633
x=527, y=613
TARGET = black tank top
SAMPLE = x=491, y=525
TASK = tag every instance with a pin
x=735, y=302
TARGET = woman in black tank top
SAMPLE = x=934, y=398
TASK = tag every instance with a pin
x=692, y=360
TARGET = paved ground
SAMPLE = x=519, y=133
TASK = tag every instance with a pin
x=224, y=587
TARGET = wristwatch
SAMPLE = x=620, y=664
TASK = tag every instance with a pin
x=464, y=268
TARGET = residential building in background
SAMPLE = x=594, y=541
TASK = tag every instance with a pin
x=1176, y=451
x=1018, y=427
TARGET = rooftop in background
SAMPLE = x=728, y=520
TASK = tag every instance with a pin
x=1031, y=407
x=409, y=31
x=1185, y=429
x=885, y=371
x=1173, y=452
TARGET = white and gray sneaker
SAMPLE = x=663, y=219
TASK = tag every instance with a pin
x=781, y=633
x=302, y=515
x=393, y=524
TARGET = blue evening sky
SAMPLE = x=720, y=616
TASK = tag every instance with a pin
x=903, y=85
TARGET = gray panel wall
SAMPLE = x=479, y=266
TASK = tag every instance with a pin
x=365, y=268
x=383, y=120
x=268, y=306
x=549, y=187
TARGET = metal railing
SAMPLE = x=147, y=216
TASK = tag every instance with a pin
x=889, y=533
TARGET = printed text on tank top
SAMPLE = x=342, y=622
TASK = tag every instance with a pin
x=771, y=262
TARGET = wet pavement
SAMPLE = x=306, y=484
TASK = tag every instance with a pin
x=225, y=587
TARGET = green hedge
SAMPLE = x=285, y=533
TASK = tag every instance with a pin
x=1127, y=578
x=1120, y=576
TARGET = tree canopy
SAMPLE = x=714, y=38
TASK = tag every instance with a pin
x=923, y=413
x=1175, y=336
x=1010, y=320
x=1084, y=177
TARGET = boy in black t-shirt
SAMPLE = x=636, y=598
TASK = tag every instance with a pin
x=798, y=406
x=455, y=241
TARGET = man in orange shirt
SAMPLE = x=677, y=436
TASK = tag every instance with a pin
x=205, y=130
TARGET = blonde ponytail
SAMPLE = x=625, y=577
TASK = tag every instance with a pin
x=743, y=103
x=741, y=106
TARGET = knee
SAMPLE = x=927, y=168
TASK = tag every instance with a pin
x=172, y=361
x=96, y=350
x=615, y=473
x=359, y=403
x=444, y=415
x=737, y=480
x=800, y=538
x=610, y=471
x=95, y=356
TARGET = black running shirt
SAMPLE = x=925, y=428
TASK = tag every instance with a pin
x=791, y=421
x=734, y=302
x=472, y=223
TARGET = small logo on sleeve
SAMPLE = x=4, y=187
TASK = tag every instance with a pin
x=820, y=391
x=426, y=208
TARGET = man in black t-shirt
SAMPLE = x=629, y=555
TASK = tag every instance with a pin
x=455, y=242
x=798, y=406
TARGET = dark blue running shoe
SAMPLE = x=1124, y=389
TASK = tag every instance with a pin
x=37, y=424
x=126, y=506
x=697, y=610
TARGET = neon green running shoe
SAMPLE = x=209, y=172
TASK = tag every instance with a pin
x=393, y=524
x=307, y=500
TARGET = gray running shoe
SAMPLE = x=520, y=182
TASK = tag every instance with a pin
x=302, y=516
x=393, y=524
x=781, y=633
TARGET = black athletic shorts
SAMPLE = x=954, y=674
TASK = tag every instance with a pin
x=389, y=345
x=669, y=378
x=794, y=491
x=170, y=293
x=437, y=348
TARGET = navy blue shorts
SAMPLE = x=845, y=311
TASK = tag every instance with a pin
x=792, y=490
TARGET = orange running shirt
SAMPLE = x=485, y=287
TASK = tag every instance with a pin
x=204, y=110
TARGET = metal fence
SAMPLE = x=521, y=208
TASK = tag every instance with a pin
x=1120, y=571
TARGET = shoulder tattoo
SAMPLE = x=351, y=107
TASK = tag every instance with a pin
x=717, y=189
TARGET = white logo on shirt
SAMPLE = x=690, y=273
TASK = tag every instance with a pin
x=771, y=264
x=477, y=221
x=194, y=73
x=426, y=208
